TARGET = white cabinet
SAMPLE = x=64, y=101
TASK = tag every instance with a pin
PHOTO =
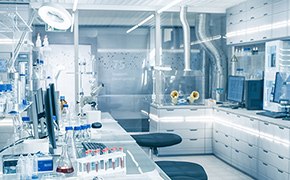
x=193, y=125
x=280, y=6
x=279, y=24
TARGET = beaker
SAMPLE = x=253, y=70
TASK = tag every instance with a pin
x=64, y=164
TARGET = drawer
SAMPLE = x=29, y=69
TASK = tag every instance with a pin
x=181, y=112
x=187, y=133
x=281, y=133
x=259, y=12
x=250, y=166
x=246, y=122
x=245, y=136
x=240, y=8
x=279, y=25
x=275, y=160
x=269, y=172
x=221, y=137
x=266, y=128
x=277, y=148
x=246, y=148
x=279, y=6
x=181, y=125
x=221, y=127
x=221, y=150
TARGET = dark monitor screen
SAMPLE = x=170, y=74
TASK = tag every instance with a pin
x=49, y=116
x=236, y=88
x=281, y=79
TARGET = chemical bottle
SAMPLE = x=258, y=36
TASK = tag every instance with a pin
x=26, y=127
x=65, y=114
x=20, y=168
x=35, y=78
x=38, y=41
x=62, y=102
x=77, y=134
x=3, y=100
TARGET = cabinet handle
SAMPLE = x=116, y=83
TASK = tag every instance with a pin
x=252, y=39
x=265, y=151
x=216, y=141
x=265, y=37
x=280, y=157
x=265, y=3
x=216, y=131
x=231, y=14
x=252, y=119
x=252, y=17
x=250, y=157
x=241, y=20
x=193, y=139
x=231, y=23
x=226, y=146
x=250, y=145
x=169, y=109
x=252, y=7
x=237, y=151
x=227, y=113
x=237, y=140
x=238, y=116
x=281, y=127
x=193, y=129
x=266, y=14
x=265, y=164
x=193, y=109
x=241, y=40
x=241, y=10
x=226, y=135
x=266, y=123
x=280, y=171
x=170, y=130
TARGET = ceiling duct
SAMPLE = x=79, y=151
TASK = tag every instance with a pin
x=219, y=75
x=186, y=37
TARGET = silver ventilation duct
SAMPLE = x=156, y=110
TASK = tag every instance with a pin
x=186, y=37
x=219, y=74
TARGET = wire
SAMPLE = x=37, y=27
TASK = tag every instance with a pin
x=19, y=141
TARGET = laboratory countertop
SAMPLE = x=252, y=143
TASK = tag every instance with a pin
x=138, y=163
x=189, y=106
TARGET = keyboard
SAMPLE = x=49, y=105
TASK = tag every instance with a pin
x=272, y=114
x=93, y=145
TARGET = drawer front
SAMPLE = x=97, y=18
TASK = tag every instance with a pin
x=249, y=138
x=181, y=125
x=222, y=128
x=187, y=133
x=221, y=150
x=279, y=6
x=246, y=148
x=278, y=148
x=265, y=170
x=181, y=112
x=281, y=132
x=247, y=122
x=221, y=137
x=275, y=160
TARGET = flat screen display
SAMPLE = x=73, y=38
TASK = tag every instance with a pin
x=236, y=88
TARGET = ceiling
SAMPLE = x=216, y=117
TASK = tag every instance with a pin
x=131, y=12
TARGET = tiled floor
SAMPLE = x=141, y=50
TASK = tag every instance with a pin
x=214, y=167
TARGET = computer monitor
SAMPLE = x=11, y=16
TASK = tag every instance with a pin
x=281, y=79
x=236, y=88
x=48, y=99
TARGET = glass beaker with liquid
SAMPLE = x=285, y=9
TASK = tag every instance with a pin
x=64, y=164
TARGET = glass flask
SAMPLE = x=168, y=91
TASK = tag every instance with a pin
x=64, y=164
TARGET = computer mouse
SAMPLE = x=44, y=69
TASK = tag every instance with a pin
x=96, y=125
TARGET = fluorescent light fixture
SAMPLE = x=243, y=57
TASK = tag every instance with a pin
x=55, y=16
x=140, y=24
x=173, y=3
x=75, y=5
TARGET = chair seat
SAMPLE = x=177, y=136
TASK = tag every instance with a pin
x=178, y=170
x=156, y=140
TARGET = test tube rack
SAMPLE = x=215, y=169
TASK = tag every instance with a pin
x=111, y=163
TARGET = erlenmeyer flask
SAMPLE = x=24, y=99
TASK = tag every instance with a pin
x=64, y=164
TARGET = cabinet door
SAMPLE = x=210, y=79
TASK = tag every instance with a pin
x=279, y=6
x=279, y=25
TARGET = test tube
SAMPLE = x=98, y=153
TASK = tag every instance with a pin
x=114, y=165
x=97, y=153
x=106, y=161
x=88, y=163
x=121, y=150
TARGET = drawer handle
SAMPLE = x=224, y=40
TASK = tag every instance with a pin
x=238, y=116
x=237, y=140
x=226, y=135
x=252, y=7
x=170, y=130
x=237, y=151
x=265, y=164
x=216, y=131
x=280, y=171
x=250, y=145
x=216, y=141
x=266, y=123
x=281, y=127
x=252, y=39
x=265, y=151
x=252, y=17
x=265, y=3
x=241, y=40
x=227, y=113
x=193, y=139
x=280, y=157
x=241, y=10
x=252, y=119
x=169, y=109
x=250, y=157
x=193, y=129
x=265, y=37
x=241, y=20
x=231, y=14
x=266, y=14
x=226, y=146
x=193, y=109
x=231, y=23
